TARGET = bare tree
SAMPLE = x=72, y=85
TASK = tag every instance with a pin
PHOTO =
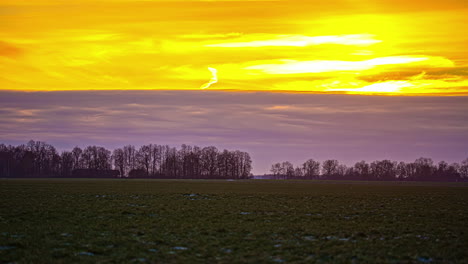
x=311, y=169
x=288, y=169
x=96, y=158
x=130, y=158
x=424, y=168
x=384, y=170
x=362, y=170
x=209, y=156
x=144, y=158
x=298, y=172
x=464, y=169
x=76, y=152
x=118, y=159
x=276, y=170
x=66, y=163
x=330, y=168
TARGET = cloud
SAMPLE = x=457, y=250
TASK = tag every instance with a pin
x=318, y=66
x=271, y=126
x=260, y=40
x=256, y=45
x=211, y=36
x=9, y=50
x=213, y=80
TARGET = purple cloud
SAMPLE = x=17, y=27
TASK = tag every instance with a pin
x=271, y=126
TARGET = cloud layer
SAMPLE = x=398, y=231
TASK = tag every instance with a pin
x=271, y=126
x=333, y=46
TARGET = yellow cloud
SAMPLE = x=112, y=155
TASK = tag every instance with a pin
x=258, y=40
x=213, y=80
x=296, y=46
x=319, y=66
x=355, y=86
x=381, y=87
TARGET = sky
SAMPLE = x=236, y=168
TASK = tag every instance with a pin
x=284, y=79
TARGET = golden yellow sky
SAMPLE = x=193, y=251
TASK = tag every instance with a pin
x=338, y=46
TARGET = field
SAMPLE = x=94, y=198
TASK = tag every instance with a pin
x=258, y=221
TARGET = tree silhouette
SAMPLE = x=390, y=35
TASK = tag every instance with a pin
x=39, y=159
x=422, y=169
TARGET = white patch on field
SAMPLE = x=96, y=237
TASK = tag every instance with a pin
x=278, y=260
x=309, y=214
x=344, y=239
x=180, y=248
x=85, y=253
x=309, y=238
x=425, y=260
x=6, y=247
x=422, y=237
x=136, y=205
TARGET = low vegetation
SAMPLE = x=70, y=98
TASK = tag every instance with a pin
x=183, y=221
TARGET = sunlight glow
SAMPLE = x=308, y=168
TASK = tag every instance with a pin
x=383, y=47
x=301, y=41
x=319, y=66
x=383, y=87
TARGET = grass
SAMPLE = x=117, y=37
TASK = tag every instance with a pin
x=172, y=221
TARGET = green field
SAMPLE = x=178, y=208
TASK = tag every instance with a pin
x=171, y=221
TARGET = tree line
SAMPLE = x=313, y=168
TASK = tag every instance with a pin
x=422, y=169
x=39, y=159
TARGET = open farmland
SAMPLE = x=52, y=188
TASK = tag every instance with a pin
x=172, y=221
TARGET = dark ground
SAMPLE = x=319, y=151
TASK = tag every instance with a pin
x=258, y=221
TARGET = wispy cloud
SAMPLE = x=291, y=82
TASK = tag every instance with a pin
x=271, y=126
x=213, y=80
x=318, y=66
x=257, y=45
x=259, y=40
x=9, y=50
